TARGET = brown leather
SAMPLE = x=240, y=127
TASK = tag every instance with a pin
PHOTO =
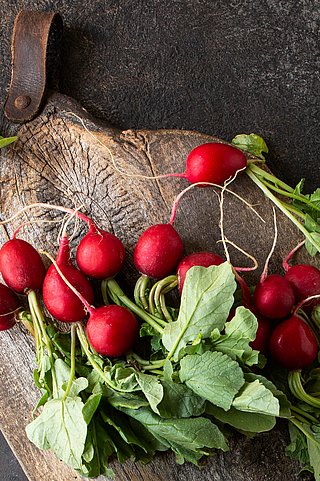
x=35, y=45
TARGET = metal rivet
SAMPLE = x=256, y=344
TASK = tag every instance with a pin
x=22, y=102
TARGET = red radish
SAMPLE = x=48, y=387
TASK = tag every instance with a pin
x=204, y=259
x=305, y=280
x=261, y=342
x=214, y=162
x=274, y=297
x=21, y=266
x=158, y=251
x=100, y=254
x=112, y=330
x=8, y=304
x=293, y=344
x=58, y=298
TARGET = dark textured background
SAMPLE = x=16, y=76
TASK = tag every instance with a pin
x=220, y=67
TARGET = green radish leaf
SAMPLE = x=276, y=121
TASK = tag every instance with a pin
x=239, y=332
x=126, y=400
x=207, y=298
x=312, y=250
x=254, y=397
x=189, y=437
x=62, y=428
x=119, y=422
x=251, y=143
x=6, y=141
x=314, y=456
x=99, y=448
x=179, y=401
x=167, y=370
x=284, y=404
x=298, y=448
x=241, y=420
x=90, y=407
x=123, y=377
x=213, y=376
x=151, y=388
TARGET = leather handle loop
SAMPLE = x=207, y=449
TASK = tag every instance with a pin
x=35, y=50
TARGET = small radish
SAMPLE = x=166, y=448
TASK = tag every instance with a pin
x=112, y=330
x=158, y=251
x=293, y=344
x=21, y=266
x=305, y=280
x=8, y=304
x=58, y=298
x=274, y=297
x=100, y=254
x=204, y=259
x=214, y=162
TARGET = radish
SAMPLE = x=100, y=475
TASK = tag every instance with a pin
x=58, y=298
x=304, y=278
x=274, y=297
x=214, y=162
x=100, y=254
x=293, y=344
x=21, y=266
x=112, y=330
x=9, y=302
x=204, y=259
x=158, y=251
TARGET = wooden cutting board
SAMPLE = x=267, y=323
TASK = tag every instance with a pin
x=57, y=160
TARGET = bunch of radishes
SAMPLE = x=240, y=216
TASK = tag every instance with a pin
x=111, y=329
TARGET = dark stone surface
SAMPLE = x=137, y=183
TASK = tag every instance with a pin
x=220, y=67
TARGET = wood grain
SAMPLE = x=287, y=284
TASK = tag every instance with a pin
x=56, y=160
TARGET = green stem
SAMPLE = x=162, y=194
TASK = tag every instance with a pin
x=114, y=287
x=72, y=359
x=281, y=206
x=146, y=365
x=291, y=195
x=263, y=173
x=144, y=284
x=85, y=346
x=304, y=414
x=40, y=324
x=296, y=387
x=26, y=319
x=295, y=211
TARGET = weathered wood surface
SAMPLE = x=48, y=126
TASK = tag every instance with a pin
x=55, y=160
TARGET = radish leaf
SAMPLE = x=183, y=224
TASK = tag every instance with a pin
x=251, y=143
x=207, y=298
x=255, y=397
x=213, y=376
x=151, y=388
x=62, y=428
x=239, y=332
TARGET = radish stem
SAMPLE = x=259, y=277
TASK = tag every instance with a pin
x=72, y=360
x=281, y=206
x=113, y=287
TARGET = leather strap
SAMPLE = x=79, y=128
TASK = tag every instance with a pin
x=34, y=49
